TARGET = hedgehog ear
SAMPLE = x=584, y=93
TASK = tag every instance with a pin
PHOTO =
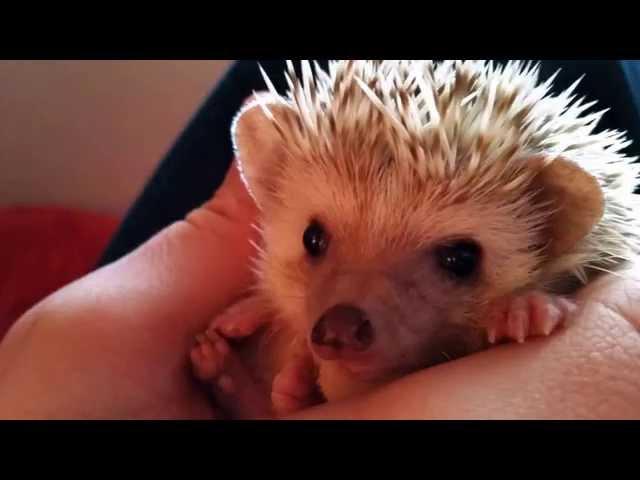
x=258, y=145
x=577, y=197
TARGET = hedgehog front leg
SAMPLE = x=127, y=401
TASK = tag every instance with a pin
x=527, y=315
x=216, y=364
x=236, y=391
x=233, y=386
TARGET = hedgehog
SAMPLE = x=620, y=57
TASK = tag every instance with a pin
x=412, y=212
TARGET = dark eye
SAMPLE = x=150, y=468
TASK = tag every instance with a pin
x=315, y=239
x=460, y=258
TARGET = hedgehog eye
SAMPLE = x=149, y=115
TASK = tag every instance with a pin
x=315, y=239
x=460, y=258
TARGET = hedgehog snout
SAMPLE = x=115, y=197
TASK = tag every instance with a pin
x=342, y=329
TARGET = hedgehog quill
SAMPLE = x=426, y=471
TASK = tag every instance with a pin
x=412, y=212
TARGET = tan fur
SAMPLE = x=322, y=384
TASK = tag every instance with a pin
x=396, y=156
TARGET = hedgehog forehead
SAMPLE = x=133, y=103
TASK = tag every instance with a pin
x=364, y=181
x=387, y=214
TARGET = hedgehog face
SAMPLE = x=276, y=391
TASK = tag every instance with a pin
x=384, y=277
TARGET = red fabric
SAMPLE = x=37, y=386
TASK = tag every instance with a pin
x=41, y=250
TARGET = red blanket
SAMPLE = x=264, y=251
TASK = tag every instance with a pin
x=43, y=249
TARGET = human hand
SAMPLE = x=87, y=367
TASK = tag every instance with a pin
x=116, y=343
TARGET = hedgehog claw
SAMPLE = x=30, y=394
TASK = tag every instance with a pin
x=528, y=315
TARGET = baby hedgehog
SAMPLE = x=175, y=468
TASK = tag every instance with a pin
x=412, y=212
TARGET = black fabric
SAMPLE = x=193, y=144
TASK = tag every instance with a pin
x=609, y=83
x=197, y=163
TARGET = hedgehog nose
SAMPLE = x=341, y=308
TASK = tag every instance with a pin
x=341, y=329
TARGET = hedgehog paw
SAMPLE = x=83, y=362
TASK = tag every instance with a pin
x=233, y=388
x=528, y=315
x=242, y=319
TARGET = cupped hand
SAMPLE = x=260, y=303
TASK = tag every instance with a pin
x=115, y=343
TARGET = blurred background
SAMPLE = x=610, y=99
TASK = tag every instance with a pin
x=87, y=134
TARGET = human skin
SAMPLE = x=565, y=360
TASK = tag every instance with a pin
x=115, y=344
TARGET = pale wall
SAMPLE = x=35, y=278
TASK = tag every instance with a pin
x=89, y=133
